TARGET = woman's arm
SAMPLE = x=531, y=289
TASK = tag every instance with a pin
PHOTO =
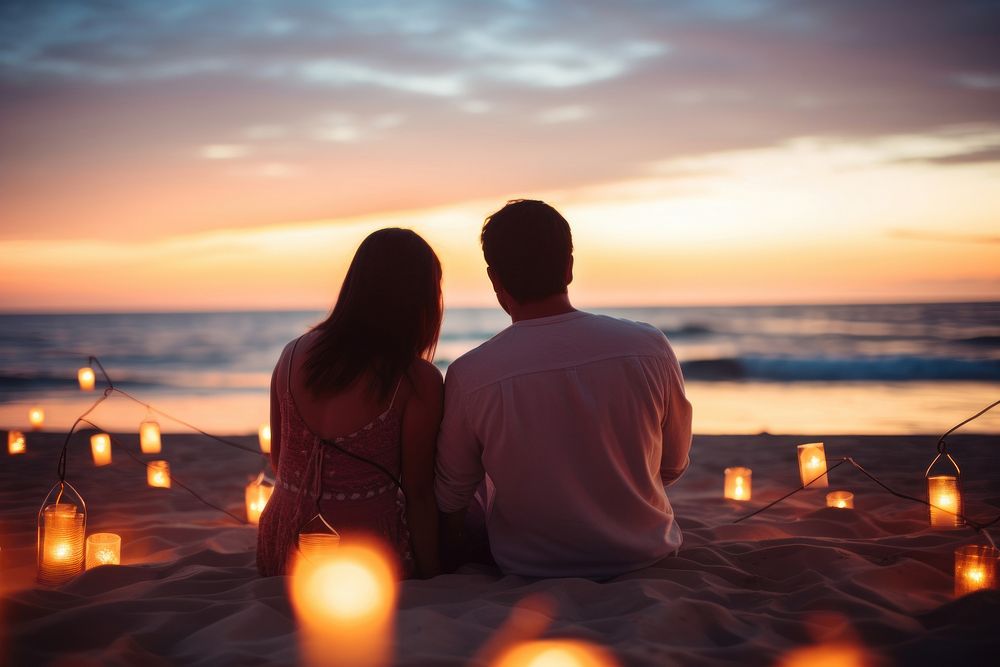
x=421, y=421
x=276, y=415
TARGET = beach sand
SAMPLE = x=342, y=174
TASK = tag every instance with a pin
x=188, y=591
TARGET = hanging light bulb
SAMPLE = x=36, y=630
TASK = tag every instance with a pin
x=36, y=417
x=149, y=436
x=85, y=376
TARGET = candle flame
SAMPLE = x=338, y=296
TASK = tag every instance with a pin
x=105, y=556
x=976, y=575
x=85, y=376
x=15, y=442
x=264, y=438
x=841, y=503
x=814, y=462
x=556, y=653
x=61, y=551
x=344, y=601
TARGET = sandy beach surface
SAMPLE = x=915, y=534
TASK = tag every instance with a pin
x=875, y=578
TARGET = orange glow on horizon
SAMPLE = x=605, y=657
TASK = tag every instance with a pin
x=801, y=223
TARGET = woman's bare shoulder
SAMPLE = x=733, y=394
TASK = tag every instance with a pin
x=425, y=374
x=425, y=380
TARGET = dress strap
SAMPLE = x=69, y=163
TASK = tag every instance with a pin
x=394, y=394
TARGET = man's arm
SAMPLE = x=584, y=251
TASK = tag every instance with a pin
x=459, y=467
x=676, y=424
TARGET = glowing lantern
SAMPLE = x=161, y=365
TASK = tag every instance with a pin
x=555, y=653
x=257, y=495
x=737, y=486
x=945, y=497
x=86, y=378
x=812, y=465
x=158, y=474
x=100, y=449
x=316, y=546
x=149, y=437
x=15, y=442
x=344, y=602
x=840, y=499
x=61, y=531
x=36, y=417
x=103, y=549
x=975, y=569
x=264, y=436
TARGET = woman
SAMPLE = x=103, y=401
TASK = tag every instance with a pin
x=359, y=405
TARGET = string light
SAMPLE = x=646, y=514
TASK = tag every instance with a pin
x=15, y=443
x=36, y=417
x=809, y=458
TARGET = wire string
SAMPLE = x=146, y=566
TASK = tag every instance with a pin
x=189, y=425
x=173, y=478
x=979, y=527
x=110, y=390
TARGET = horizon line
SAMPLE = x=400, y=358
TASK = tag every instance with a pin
x=634, y=306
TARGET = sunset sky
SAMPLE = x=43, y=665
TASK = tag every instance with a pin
x=200, y=154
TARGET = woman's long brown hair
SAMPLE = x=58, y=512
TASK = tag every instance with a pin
x=388, y=315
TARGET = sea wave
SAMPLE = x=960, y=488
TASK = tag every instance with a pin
x=885, y=369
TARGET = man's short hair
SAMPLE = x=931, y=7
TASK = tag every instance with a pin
x=529, y=246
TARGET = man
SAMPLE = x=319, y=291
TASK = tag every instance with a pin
x=576, y=422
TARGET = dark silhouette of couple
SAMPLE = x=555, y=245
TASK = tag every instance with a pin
x=547, y=450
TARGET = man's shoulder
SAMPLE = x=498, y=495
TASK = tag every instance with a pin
x=478, y=358
x=636, y=337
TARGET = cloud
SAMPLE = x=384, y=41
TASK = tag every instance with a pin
x=979, y=81
x=224, y=151
x=566, y=114
x=128, y=88
x=941, y=237
x=979, y=156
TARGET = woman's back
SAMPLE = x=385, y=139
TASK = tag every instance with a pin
x=346, y=450
x=357, y=405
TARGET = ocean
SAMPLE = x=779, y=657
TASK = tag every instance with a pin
x=819, y=369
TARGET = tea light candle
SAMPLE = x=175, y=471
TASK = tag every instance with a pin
x=945, y=497
x=149, y=437
x=555, y=653
x=158, y=474
x=61, y=544
x=36, y=417
x=975, y=569
x=841, y=499
x=86, y=378
x=257, y=495
x=15, y=443
x=103, y=549
x=264, y=436
x=812, y=462
x=100, y=449
x=737, y=484
x=345, y=603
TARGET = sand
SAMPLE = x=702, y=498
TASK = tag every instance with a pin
x=748, y=594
